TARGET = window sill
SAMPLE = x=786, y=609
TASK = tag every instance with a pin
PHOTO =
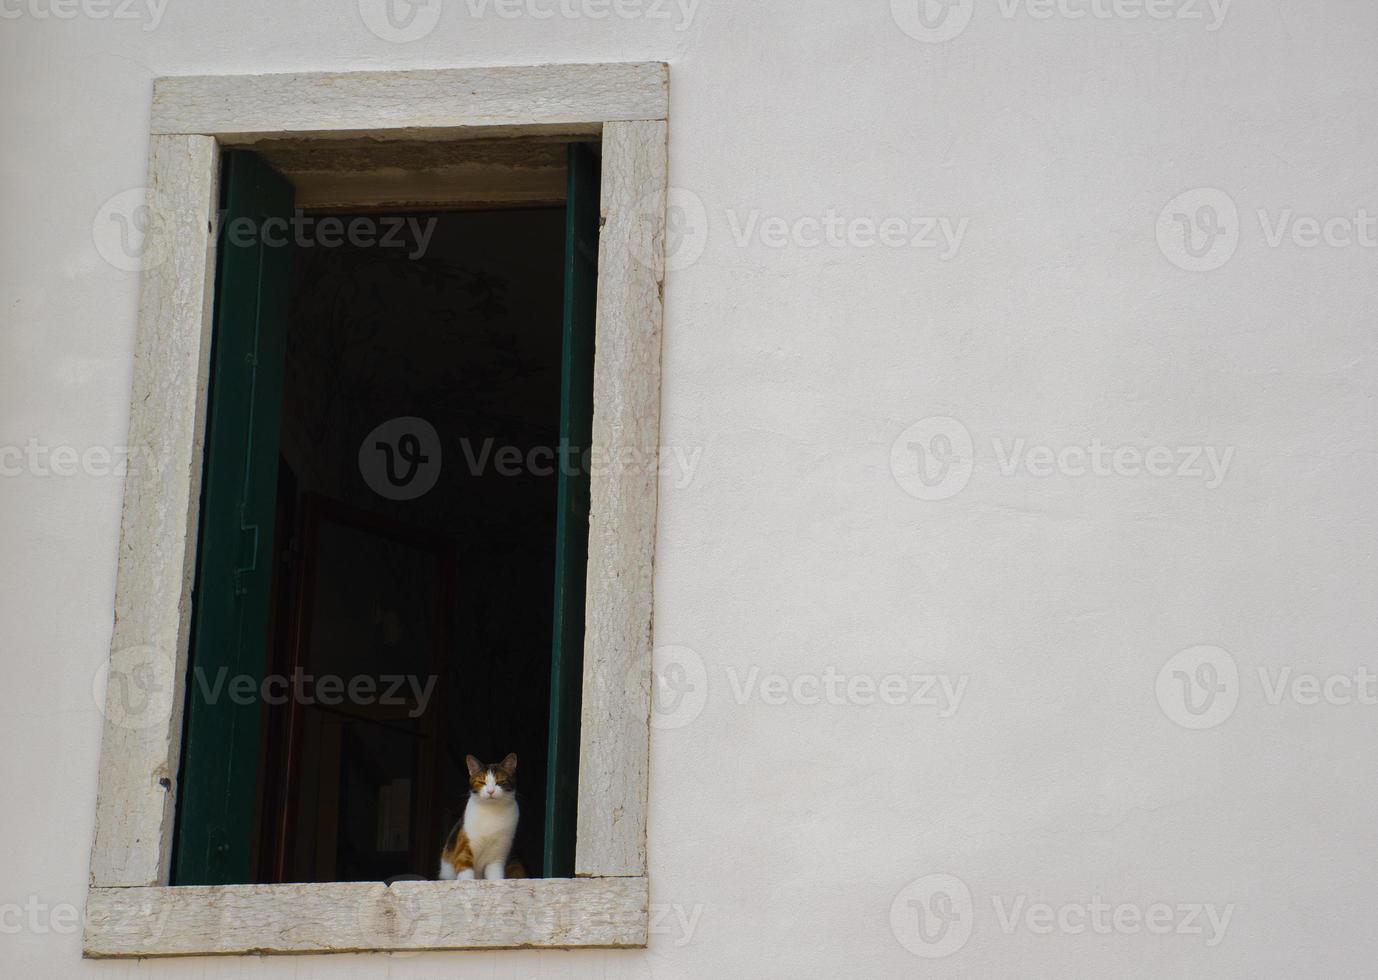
x=353, y=917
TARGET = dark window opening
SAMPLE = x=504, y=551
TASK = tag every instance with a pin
x=393, y=533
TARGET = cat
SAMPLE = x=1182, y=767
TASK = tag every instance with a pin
x=481, y=842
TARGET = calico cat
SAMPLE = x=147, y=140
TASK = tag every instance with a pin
x=482, y=841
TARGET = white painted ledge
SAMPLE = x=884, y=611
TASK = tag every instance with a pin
x=351, y=917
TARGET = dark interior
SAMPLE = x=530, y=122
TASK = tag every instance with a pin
x=455, y=584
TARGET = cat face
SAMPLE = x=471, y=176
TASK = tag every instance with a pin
x=495, y=782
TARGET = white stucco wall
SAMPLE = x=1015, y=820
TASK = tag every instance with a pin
x=788, y=832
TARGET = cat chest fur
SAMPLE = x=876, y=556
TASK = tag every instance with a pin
x=489, y=827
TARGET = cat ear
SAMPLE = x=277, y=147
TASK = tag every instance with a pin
x=475, y=767
x=510, y=763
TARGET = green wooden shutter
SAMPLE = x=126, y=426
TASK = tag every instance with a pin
x=220, y=754
x=572, y=527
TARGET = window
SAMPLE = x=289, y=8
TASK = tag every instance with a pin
x=390, y=428
x=183, y=834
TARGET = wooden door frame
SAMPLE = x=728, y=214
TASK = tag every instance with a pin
x=131, y=911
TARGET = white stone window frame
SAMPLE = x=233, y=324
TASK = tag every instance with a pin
x=131, y=909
